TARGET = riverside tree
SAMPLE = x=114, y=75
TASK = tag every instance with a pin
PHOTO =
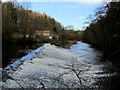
x=104, y=30
x=21, y=23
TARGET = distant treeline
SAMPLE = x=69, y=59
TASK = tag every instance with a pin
x=18, y=20
x=104, y=30
x=19, y=25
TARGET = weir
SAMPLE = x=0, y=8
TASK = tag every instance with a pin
x=29, y=56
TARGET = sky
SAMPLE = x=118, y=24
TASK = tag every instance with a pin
x=67, y=13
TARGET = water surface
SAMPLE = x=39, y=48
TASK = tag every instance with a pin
x=12, y=52
x=102, y=70
x=52, y=61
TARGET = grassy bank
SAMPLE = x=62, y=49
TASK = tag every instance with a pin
x=64, y=44
x=60, y=43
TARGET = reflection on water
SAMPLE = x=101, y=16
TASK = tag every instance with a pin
x=11, y=52
x=97, y=73
x=102, y=71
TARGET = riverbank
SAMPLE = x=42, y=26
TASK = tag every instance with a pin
x=61, y=43
x=64, y=44
x=114, y=57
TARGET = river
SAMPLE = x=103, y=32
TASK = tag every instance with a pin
x=109, y=75
x=12, y=52
x=52, y=61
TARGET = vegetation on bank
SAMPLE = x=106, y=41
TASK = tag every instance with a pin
x=104, y=30
x=64, y=44
x=19, y=25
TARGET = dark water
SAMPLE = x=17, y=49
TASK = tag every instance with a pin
x=11, y=52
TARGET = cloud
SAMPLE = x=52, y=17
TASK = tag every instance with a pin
x=55, y=18
x=90, y=1
x=73, y=6
x=93, y=1
x=81, y=17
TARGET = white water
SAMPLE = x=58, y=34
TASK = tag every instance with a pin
x=56, y=67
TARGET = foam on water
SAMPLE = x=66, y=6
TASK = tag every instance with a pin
x=57, y=67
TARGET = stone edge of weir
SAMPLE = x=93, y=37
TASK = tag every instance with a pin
x=27, y=57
